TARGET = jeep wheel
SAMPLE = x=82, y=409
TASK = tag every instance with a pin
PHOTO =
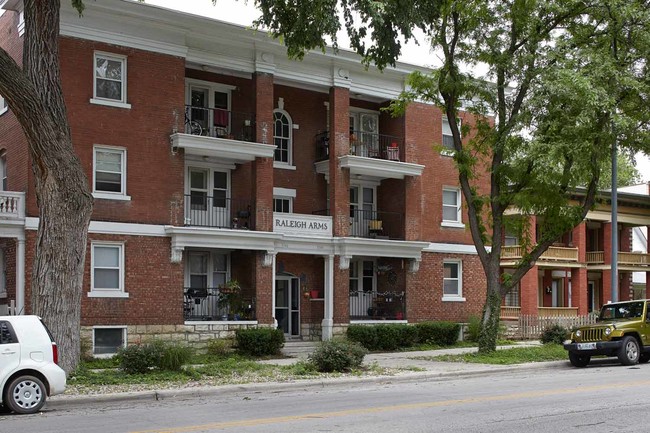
x=629, y=352
x=644, y=358
x=25, y=394
x=579, y=360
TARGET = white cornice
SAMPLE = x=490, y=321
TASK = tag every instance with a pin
x=205, y=237
x=379, y=248
x=238, y=151
x=380, y=168
x=450, y=248
x=112, y=228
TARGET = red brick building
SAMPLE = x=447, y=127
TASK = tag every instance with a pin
x=235, y=187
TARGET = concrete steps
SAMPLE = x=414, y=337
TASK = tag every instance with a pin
x=298, y=348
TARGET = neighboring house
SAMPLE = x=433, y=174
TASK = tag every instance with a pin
x=235, y=187
x=639, y=243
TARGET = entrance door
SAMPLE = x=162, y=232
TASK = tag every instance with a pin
x=209, y=207
x=287, y=305
x=362, y=207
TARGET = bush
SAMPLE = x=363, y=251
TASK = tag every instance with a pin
x=141, y=358
x=219, y=346
x=554, y=334
x=337, y=355
x=439, y=333
x=364, y=335
x=474, y=325
x=259, y=341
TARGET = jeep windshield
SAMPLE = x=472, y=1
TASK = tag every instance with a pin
x=623, y=311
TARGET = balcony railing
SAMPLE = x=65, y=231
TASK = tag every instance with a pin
x=215, y=122
x=376, y=224
x=508, y=312
x=216, y=304
x=560, y=254
x=624, y=258
x=219, y=212
x=595, y=257
x=12, y=205
x=366, y=144
x=377, y=305
x=557, y=311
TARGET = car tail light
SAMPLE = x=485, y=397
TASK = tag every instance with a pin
x=55, y=353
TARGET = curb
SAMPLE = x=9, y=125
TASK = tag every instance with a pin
x=72, y=402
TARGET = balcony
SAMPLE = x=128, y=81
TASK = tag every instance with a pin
x=554, y=255
x=514, y=313
x=376, y=224
x=216, y=304
x=372, y=155
x=12, y=214
x=626, y=260
x=218, y=212
x=224, y=134
x=377, y=305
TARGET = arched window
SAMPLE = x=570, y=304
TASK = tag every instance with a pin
x=282, y=137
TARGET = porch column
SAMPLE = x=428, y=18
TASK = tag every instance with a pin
x=20, y=276
x=262, y=182
x=625, y=284
x=339, y=145
x=607, y=256
x=265, y=288
x=579, y=285
x=328, y=319
x=528, y=288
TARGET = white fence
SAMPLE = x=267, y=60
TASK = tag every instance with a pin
x=531, y=327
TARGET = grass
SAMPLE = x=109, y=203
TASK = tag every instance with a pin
x=515, y=355
x=458, y=344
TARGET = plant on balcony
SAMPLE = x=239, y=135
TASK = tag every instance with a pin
x=230, y=297
x=383, y=269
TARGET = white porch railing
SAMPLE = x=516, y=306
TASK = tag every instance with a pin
x=560, y=254
x=12, y=205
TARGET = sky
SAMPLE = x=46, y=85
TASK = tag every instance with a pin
x=243, y=13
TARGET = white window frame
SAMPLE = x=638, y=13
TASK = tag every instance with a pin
x=458, y=223
x=107, y=194
x=285, y=194
x=118, y=292
x=287, y=165
x=458, y=297
x=105, y=101
x=3, y=105
x=448, y=151
x=124, y=339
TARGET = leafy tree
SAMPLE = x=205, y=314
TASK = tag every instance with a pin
x=627, y=173
x=564, y=78
x=33, y=92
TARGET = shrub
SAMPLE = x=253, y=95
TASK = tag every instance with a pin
x=474, y=325
x=554, y=334
x=141, y=358
x=337, y=355
x=439, y=333
x=408, y=335
x=219, y=346
x=136, y=359
x=364, y=335
x=259, y=341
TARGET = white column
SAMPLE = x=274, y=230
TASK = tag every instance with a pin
x=275, y=321
x=327, y=324
x=20, y=276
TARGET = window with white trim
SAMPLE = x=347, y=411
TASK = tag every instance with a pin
x=452, y=281
x=283, y=200
x=107, y=270
x=451, y=209
x=447, y=137
x=109, y=175
x=109, y=81
x=282, y=135
x=108, y=340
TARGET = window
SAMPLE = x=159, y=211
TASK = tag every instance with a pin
x=282, y=136
x=283, y=200
x=107, y=341
x=107, y=271
x=206, y=269
x=110, y=80
x=362, y=276
x=512, y=298
x=447, y=137
x=3, y=170
x=451, y=210
x=7, y=335
x=452, y=285
x=110, y=173
x=3, y=105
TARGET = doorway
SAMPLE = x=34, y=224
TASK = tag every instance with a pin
x=287, y=304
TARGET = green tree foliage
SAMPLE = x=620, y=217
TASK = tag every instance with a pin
x=551, y=84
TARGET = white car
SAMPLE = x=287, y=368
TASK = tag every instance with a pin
x=28, y=364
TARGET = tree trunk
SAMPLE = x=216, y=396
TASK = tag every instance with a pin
x=487, y=340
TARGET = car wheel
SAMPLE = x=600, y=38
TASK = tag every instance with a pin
x=629, y=352
x=25, y=394
x=579, y=360
x=644, y=358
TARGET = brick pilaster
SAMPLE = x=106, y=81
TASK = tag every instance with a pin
x=339, y=145
x=263, y=290
x=579, y=284
x=528, y=290
x=341, y=312
x=413, y=184
x=262, y=184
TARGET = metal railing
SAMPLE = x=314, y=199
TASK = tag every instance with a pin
x=376, y=224
x=366, y=144
x=219, y=123
x=219, y=212
x=377, y=305
x=216, y=304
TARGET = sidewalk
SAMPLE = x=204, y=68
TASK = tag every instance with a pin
x=410, y=364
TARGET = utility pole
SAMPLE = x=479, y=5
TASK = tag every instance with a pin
x=614, y=197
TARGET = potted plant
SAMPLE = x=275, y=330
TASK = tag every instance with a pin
x=230, y=297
